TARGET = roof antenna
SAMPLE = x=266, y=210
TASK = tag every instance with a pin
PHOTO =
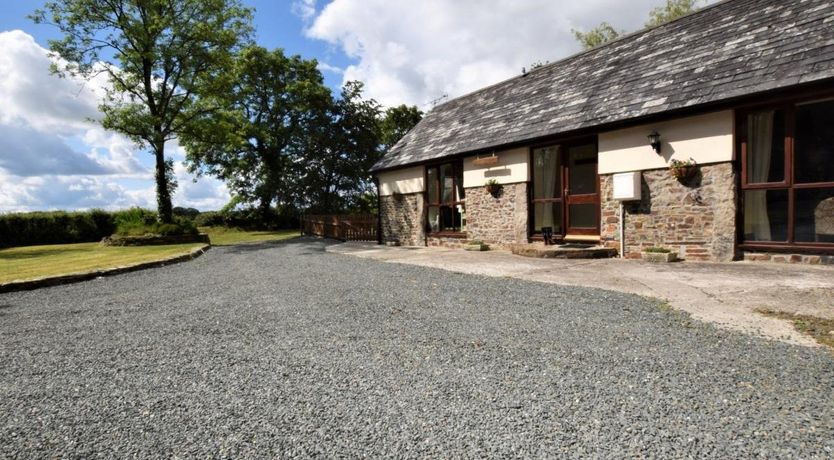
x=434, y=102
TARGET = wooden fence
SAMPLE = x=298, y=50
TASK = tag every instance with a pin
x=353, y=227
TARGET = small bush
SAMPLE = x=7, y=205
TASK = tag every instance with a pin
x=209, y=219
x=187, y=213
x=134, y=217
x=657, y=250
x=180, y=226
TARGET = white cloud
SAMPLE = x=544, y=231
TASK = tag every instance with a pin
x=53, y=157
x=325, y=67
x=305, y=9
x=414, y=52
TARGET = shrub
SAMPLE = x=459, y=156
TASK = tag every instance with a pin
x=134, y=217
x=209, y=219
x=180, y=226
x=188, y=213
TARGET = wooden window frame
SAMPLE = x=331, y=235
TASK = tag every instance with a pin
x=565, y=143
x=788, y=184
x=457, y=169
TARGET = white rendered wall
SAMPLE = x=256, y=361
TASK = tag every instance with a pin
x=705, y=138
x=405, y=181
x=511, y=168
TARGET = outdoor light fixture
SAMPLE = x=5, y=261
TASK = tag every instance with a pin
x=654, y=141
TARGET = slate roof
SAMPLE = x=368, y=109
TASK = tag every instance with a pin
x=727, y=50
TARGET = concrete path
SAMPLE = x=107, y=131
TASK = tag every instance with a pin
x=726, y=294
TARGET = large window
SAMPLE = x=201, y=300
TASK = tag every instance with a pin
x=788, y=175
x=445, y=198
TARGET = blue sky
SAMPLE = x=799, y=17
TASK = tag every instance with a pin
x=405, y=51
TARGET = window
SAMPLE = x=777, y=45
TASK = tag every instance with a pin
x=788, y=175
x=445, y=198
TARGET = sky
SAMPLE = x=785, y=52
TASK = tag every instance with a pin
x=405, y=51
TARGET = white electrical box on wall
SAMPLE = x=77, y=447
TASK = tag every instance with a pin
x=627, y=186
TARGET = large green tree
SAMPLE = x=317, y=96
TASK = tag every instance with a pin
x=273, y=103
x=599, y=35
x=162, y=57
x=605, y=32
x=396, y=122
x=332, y=162
x=672, y=10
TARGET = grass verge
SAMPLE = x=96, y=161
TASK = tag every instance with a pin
x=224, y=236
x=821, y=329
x=31, y=262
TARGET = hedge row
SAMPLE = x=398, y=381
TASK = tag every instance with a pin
x=33, y=228
x=59, y=227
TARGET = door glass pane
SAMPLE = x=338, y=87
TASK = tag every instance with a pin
x=766, y=215
x=447, y=176
x=582, y=216
x=766, y=147
x=434, y=219
x=582, y=169
x=459, y=193
x=547, y=215
x=431, y=177
x=814, y=215
x=547, y=182
x=451, y=218
x=814, y=147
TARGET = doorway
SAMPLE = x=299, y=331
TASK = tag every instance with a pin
x=565, y=191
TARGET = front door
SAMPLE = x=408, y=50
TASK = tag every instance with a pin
x=581, y=191
x=565, y=191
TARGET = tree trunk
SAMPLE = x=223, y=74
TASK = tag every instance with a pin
x=163, y=193
x=265, y=209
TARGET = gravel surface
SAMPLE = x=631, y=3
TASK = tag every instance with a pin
x=284, y=349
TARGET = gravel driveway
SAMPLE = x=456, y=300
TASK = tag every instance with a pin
x=286, y=349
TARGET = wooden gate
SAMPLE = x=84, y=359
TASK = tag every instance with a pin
x=350, y=227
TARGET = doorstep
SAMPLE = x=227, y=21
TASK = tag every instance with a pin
x=563, y=251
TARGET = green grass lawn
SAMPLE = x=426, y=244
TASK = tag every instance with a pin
x=223, y=236
x=29, y=262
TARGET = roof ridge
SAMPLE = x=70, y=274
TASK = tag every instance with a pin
x=585, y=52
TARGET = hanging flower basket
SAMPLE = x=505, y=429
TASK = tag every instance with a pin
x=683, y=170
x=493, y=187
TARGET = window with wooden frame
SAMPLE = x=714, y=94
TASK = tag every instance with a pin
x=445, y=199
x=787, y=158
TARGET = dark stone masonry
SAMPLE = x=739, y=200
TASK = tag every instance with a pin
x=403, y=219
x=500, y=219
x=694, y=218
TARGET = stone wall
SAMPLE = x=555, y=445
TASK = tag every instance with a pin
x=696, y=219
x=787, y=258
x=446, y=242
x=403, y=219
x=500, y=219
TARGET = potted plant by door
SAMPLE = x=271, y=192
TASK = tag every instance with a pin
x=683, y=169
x=493, y=187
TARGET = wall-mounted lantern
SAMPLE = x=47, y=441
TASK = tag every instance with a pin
x=654, y=141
